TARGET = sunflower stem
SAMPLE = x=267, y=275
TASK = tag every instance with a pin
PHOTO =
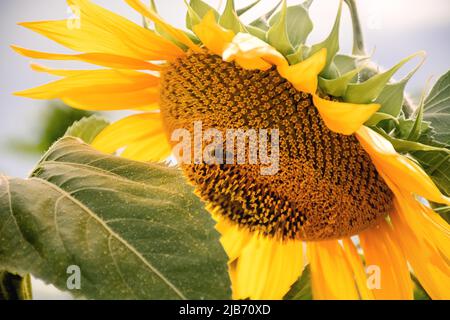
x=358, y=38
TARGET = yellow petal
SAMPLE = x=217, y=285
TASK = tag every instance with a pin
x=148, y=12
x=154, y=148
x=142, y=136
x=144, y=100
x=331, y=274
x=406, y=174
x=252, y=53
x=101, y=59
x=384, y=254
x=212, y=35
x=358, y=269
x=304, y=75
x=56, y=72
x=233, y=238
x=342, y=117
x=266, y=268
x=426, y=245
x=102, y=31
x=99, y=89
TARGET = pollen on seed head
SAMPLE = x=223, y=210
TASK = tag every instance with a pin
x=326, y=187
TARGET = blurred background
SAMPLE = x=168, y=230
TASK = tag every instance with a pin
x=393, y=29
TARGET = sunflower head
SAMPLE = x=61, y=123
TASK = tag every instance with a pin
x=340, y=170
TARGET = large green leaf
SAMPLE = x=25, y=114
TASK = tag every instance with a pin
x=437, y=109
x=437, y=113
x=87, y=128
x=437, y=166
x=135, y=230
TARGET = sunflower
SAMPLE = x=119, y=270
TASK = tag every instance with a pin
x=343, y=200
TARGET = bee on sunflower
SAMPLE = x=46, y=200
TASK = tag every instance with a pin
x=344, y=198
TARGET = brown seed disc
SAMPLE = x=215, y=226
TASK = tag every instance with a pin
x=326, y=186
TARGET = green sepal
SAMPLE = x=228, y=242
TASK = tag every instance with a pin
x=369, y=90
x=345, y=63
x=298, y=24
x=405, y=146
x=378, y=117
x=277, y=36
x=163, y=32
x=331, y=43
x=405, y=126
x=416, y=130
x=197, y=9
x=392, y=96
x=257, y=32
x=297, y=56
x=337, y=87
x=307, y=3
x=263, y=21
x=230, y=20
x=241, y=11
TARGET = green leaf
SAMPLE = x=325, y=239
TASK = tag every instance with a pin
x=437, y=109
x=301, y=289
x=15, y=287
x=369, y=90
x=331, y=43
x=198, y=9
x=262, y=22
x=87, y=128
x=277, y=36
x=230, y=20
x=298, y=23
x=379, y=116
x=246, y=8
x=135, y=230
